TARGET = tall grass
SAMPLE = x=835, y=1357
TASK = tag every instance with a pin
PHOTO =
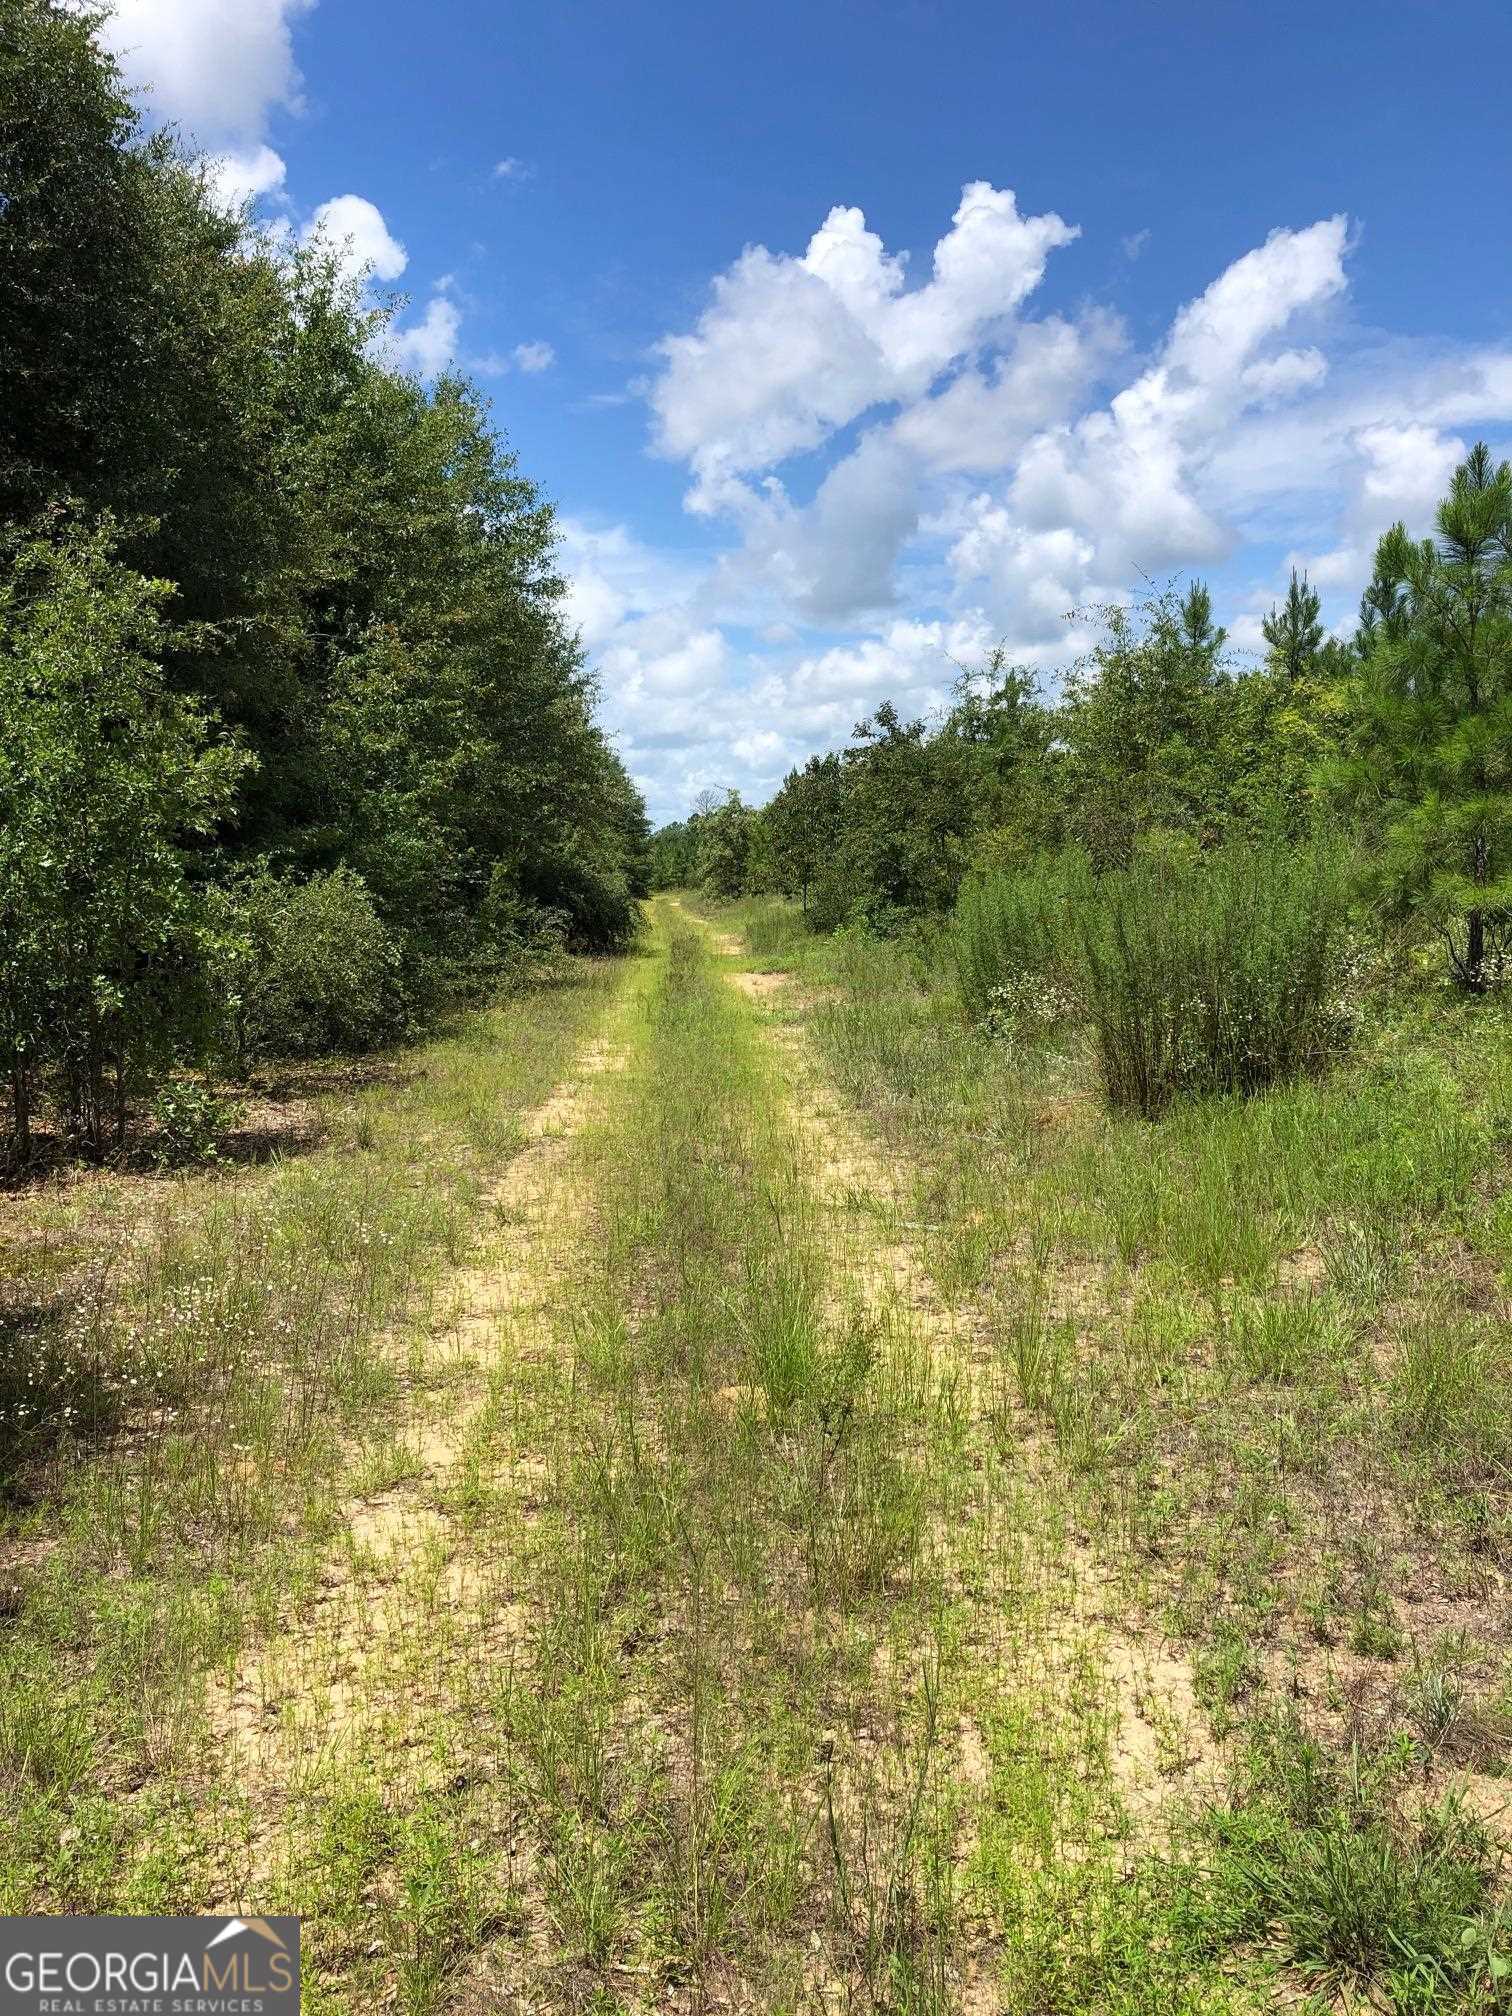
x=774, y=928
x=1228, y=975
x=1020, y=926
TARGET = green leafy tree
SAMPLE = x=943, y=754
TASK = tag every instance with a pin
x=1282, y=722
x=106, y=778
x=904, y=844
x=302, y=968
x=804, y=821
x=365, y=590
x=1142, y=727
x=725, y=835
x=1431, y=764
x=674, y=855
x=1014, y=759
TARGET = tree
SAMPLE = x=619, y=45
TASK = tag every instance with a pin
x=1142, y=726
x=1008, y=736
x=361, y=581
x=1383, y=610
x=105, y=778
x=673, y=855
x=907, y=820
x=724, y=846
x=1293, y=632
x=1282, y=721
x=805, y=821
x=1432, y=759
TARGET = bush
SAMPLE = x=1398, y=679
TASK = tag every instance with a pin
x=189, y=1122
x=591, y=897
x=516, y=938
x=1015, y=937
x=313, y=969
x=832, y=900
x=1227, y=974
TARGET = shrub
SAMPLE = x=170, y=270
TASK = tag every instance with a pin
x=516, y=935
x=106, y=778
x=832, y=900
x=603, y=915
x=1224, y=975
x=313, y=969
x=1028, y=1007
x=189, y=1122
x=1015, y=942
x=591, y=895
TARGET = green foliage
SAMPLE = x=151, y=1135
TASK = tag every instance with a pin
x=1020, y=925
x=1141, y=725
x=804, y=823
x=310, y=968
x=1360, y=1890
x=311, y=607
x=903, y=849
x=1225, y=975
x=725, y=836
x=189, y=1121
x=1155, y=735
x=673, y=853
x=1431, y=760
x=105, y=774
x=1293, y=632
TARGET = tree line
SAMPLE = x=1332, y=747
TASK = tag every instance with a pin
x=1395, y=747
x=296, y=744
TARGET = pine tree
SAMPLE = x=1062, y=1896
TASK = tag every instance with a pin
x=1381, y=611
x=1434, y=751
x=1293, y=632
x=1202, y=636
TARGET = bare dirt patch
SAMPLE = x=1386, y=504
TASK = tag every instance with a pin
x=760, y=986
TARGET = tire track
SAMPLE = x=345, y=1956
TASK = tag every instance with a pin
x=415, y=1604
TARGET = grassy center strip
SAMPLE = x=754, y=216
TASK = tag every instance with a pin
x=724, y=1743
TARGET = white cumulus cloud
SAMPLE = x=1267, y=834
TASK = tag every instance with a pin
x=218, y=67
x=893, y=474
x=354, y=229
x=239, y=177
x=428, y=346
x=790, y=349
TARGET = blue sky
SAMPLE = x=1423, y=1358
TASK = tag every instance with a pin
x=850, y=339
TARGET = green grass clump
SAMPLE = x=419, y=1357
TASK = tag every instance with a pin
x=1019, y=929
x=1328, y=1856
x=772, y=927
x=1224, y=975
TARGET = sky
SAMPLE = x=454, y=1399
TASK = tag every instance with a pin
x=851, y=338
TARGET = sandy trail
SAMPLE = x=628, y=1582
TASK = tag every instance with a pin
x=1134, y=1680
x=415, y=1605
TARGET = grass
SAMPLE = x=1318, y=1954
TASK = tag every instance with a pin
x=199, y=1367
x=820, y=1515
x=1264, y=1345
